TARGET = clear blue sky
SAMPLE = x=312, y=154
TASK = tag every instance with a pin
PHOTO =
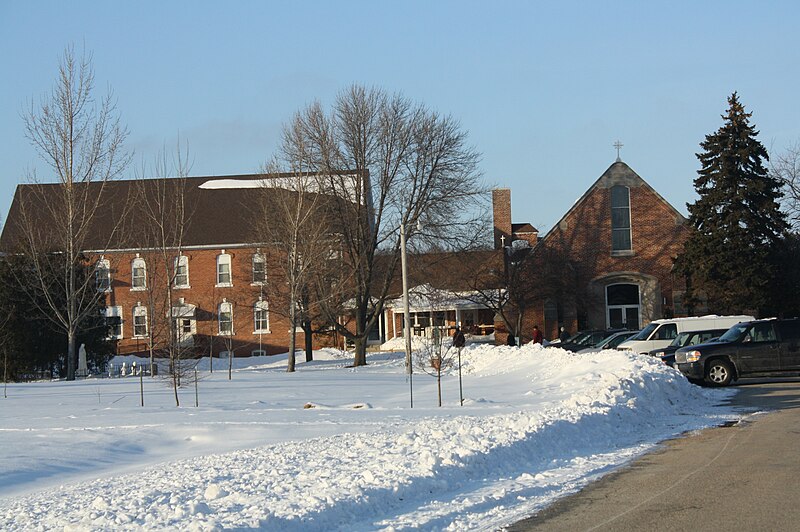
x=544, y=88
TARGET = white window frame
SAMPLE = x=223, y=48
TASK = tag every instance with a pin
x=224, y=259
x=259, y=258
x=139, y=311
x=260, y=306
x=138, y=263
x=102, y=271
x=181, y=260
x=258, y=353
x=114, y=312
x=225, y=308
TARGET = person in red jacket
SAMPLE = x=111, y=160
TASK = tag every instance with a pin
x=537, y=335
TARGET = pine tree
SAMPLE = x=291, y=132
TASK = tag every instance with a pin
x=737, y=222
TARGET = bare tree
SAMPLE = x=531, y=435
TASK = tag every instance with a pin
x=295, y=221
x=508, y=284
x=386, y=161
x=81, y=141
x=786, y=168
x=165, y=213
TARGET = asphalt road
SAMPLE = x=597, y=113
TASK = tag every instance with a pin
x=742, y=477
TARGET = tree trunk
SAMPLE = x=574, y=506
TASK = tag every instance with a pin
x=360, y=358
x=309, y=340
x=71, y=356
x=292, y=338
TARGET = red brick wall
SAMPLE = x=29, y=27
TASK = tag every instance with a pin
x=583, y=241
x=206, y=295
x=501, y=213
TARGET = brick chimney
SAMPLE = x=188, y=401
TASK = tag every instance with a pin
x=501, y=215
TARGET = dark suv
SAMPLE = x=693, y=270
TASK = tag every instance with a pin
x=750, y=349
x=685, y=339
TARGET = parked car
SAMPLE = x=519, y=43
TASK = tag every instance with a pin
x=752, y=349
x=584, y=339
x=660, y=333
x=609, y=342
x=684, y=339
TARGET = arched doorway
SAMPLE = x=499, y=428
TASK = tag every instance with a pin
x=623, y=306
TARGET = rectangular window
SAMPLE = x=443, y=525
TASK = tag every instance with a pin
x=224, y=269
x=113, y=316
x=226, y=318
x=103, y=275
x=620, y=219
x=138, y=277
x=182, y=272
x=140, y=322
x=259, y=269
x=261, y=319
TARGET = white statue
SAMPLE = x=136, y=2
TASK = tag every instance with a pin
x=83, y=369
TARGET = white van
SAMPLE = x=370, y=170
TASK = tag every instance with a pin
x=659, y=333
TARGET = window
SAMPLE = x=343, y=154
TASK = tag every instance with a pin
x=182, y=272
x=102, y=274
x=139, y=321
x=261, y=316
x=667, y=331
x=620, y=219
x=259, y=269
x=113, y=317
x=224, y=269
x=761, y=332
x=138, y=274
x=258, y=353
x=225, y=318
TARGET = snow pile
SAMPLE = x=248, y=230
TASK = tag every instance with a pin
x=538, y=423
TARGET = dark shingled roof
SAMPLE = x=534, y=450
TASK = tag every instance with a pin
x=523, y=228
x=221, y=216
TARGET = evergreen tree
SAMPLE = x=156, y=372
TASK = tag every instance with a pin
x=737, y=222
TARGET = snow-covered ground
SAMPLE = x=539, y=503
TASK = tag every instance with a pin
x=331, y=447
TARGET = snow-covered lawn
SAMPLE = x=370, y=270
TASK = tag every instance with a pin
x=537, y=423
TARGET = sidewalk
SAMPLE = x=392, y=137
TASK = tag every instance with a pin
x=742, y=477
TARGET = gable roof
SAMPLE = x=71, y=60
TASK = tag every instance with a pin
x=222, y=210
x=618, y=173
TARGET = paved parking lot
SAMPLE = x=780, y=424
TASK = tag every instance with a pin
x=741, y=477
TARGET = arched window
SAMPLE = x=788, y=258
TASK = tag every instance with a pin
x=224, y=269
x=182, y=272
x=259, y=268
x=138, y=274
x=139, y=321
x=113, y=317
x=620, y=219
x=261, y=316
x=102, y=274
x=225, y=318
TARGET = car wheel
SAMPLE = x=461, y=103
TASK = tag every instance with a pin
x=719, y=373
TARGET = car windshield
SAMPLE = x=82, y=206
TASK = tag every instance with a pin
x=614, y=342
x=681, y=339
x=579, y=338
x=646, y=332
x=606, y=339
x=735, y=333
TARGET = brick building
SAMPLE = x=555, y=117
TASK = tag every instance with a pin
x=215, y=283
x=607, y=263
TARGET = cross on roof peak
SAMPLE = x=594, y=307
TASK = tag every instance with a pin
x=618, y=145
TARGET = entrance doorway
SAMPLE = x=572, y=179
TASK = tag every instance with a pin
x=623, y=306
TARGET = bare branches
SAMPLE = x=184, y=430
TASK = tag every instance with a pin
x=82, y=143
x=387, y=161
x=786, y=168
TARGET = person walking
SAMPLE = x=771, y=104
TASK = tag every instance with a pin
x=564, y=336
x=458, y=343
x=537, y=335
x=510, y=340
